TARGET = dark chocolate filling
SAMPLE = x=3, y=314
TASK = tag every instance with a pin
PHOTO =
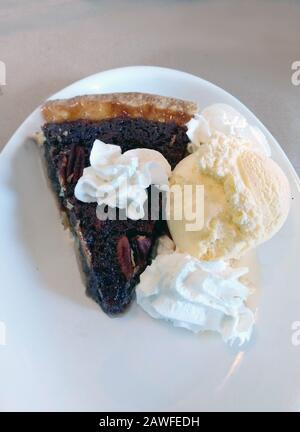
x=113, y=252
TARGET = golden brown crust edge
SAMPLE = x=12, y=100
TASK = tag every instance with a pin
x=111, y=105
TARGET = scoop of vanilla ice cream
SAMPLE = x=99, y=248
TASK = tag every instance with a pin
x=246, y=199
x=270, y=189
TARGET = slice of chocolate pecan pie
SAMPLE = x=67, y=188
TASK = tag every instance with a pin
x=113, y=253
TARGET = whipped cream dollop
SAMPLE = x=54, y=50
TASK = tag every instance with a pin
x=224, y=119
x=120, y=180
x=197, y=295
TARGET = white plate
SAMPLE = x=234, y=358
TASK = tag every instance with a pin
x=63, y=353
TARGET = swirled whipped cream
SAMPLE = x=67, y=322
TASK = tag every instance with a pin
x=197, y=295
x=224, y=119
x=120, y=180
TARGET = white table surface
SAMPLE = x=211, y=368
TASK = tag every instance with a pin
x=247, y=47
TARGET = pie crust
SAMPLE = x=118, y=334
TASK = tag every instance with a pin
x=111, y=105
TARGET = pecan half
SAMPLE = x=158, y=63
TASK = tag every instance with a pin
x=76, y=163
x=71, y=160
x=61, y=169
x=124, y=254
x=79, y=164
x=143, y=245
